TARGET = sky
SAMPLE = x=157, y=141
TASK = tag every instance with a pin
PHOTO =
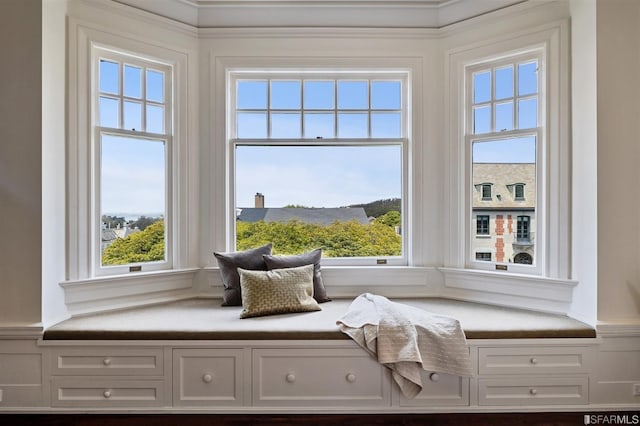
x=132, y=170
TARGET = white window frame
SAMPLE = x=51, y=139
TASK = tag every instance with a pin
x=122, y=58
x=551, y=287
x=527, y=55
x=372, y=74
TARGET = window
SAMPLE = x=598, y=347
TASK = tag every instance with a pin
x=483, y=256
x=523, y=230
x=318, y=162
x=486, y=192
x=518, y=190
x=482, y=225
x=504, y=133
x=133, y=137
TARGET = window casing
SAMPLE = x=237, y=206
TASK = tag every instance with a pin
x=361, y=114
x=504, y=136
x=132, y=162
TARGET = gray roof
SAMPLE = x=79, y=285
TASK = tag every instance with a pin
x=320, y=216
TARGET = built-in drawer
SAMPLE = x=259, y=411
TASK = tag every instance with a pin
x=208, y=377
x=106, y=392
x=318, y=377
x=107, y=361
x=439, y=389
x=537, y=390
x=533, y=360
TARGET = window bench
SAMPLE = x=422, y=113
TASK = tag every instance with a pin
x=194, y=354
x=206, y=319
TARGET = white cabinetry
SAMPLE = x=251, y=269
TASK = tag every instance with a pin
x=20, y=373
x=107, y=377
x=438, y=390
x=208, y=377
x=319, y=377
x=534, y=375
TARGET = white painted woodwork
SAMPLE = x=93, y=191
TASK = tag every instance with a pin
x=534, y=360
x=439, y=390
x=106, y=392
x=107, y=361
x=530, y=391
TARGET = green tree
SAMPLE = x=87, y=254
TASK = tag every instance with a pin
x=143, y=222
x=340, y=239
x=391, y=218
x=143, y=246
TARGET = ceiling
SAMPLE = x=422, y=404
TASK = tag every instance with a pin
x=320, y=13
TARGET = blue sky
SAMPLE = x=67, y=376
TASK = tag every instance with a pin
x=133, y=179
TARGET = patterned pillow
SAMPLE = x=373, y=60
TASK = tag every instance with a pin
x=278, y=291
x=312, y=257
x=229, y=264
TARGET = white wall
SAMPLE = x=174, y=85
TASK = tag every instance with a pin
x=584, y=265
x=618, y=121
x=20, y=162
x=54, y=92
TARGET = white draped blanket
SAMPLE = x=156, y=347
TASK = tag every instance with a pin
x=407, y=339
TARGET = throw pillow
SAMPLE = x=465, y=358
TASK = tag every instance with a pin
x=279, y=291
x=312, y=257
x=229, y=264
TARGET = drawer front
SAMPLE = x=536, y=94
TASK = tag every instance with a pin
x=318, y=377
x=532, y=360
x=20, y=396
x=537, y=390
x=106, y=392
x=439, y=389
x=208, y=377
x=108, y=361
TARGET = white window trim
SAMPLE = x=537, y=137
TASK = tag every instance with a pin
x=81, y=206
x=335, y=74
x=99, y=53
x=410, y=279
x=459, y=280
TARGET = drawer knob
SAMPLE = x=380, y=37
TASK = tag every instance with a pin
x=534, y=361
x=434, y=377
x=207, y=378
x=291, y=378
x=106, y=361
x=533, y=391
x=351, y=377
x=107, y=394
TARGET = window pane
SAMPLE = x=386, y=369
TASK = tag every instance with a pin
x=504, y=116
x=132, y=81
x=109, y=77
x=285, y=94
x=504, y=83
x=319, y=94
x=481, y=119
x=325, y=189
x=527, y=78
x=528, y=113
x=133, y=187
x=481, y=87
x=353, y=95
x=385, y=94
x=155, y=119
x=132, y=115
x=505, y=163
x=285, y=125
x=385, y=125
x=252, y=94
x=319, y=125
x=353, y=126
x=155, y=86
x=251, y=125
x=109, y=112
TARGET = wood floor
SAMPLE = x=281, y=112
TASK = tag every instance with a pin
x=507, y=419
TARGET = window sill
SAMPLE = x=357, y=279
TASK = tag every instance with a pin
x=123, y=291
x=350, y=281
x=515, y=290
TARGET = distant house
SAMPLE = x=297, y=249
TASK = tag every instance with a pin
x=504, y=212
x=318, y=216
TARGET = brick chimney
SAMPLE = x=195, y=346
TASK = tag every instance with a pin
x=259, y=201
